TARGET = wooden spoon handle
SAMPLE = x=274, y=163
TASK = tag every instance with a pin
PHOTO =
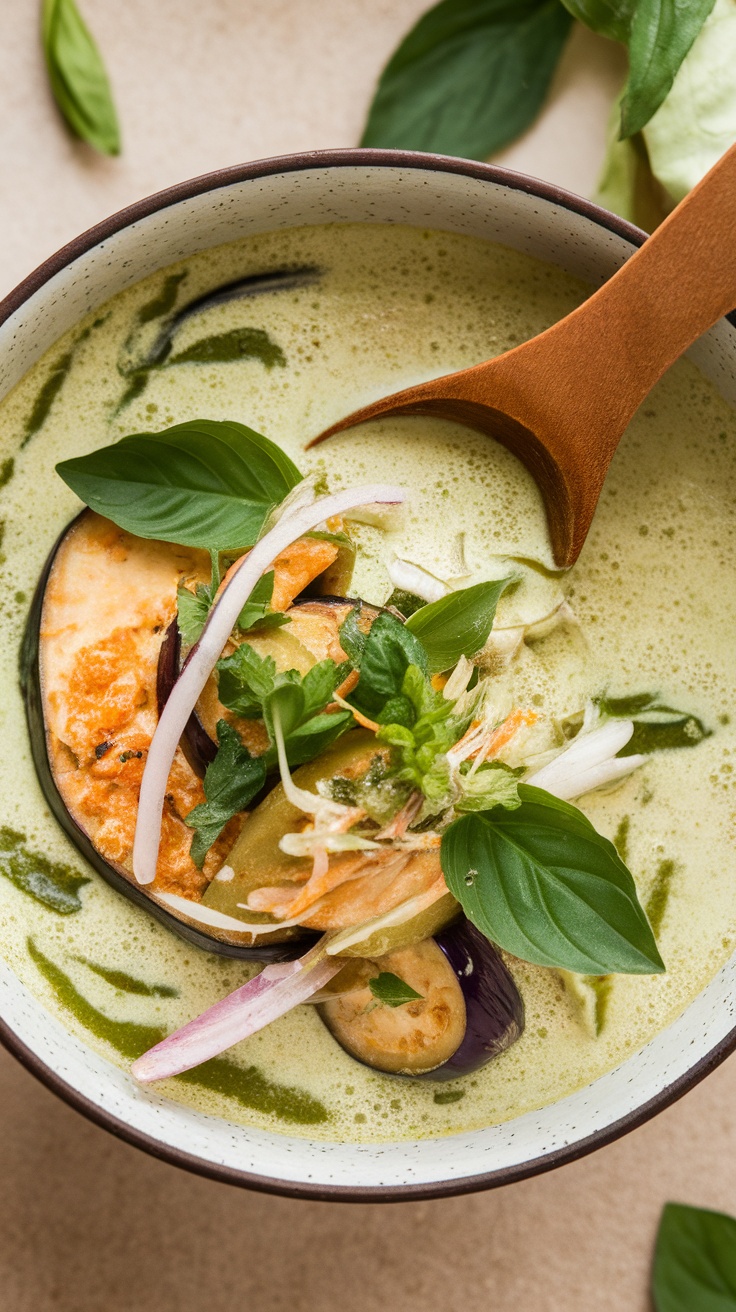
x=599, y=363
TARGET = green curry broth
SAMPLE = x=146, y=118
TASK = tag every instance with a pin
x=653, y=592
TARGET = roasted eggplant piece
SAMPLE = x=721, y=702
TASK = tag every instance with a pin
x=470, y=1009
x=102, y=596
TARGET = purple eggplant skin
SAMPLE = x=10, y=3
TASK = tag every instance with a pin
x=494, y=1006
x=199, y=749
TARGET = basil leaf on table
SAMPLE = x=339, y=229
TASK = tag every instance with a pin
x=469, y=77
x=456, y=625
x=230, y=783
x=78, y=78
x=694, y=1261
x=391, y=990
x=542, y=884
x=662, y=32
x=206, y=483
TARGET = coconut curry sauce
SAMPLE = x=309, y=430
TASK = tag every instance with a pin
x=649, y=608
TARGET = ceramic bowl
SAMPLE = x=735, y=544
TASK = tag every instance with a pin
x=326, y=187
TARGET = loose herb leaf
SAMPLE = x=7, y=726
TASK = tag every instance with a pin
x=237, y=344
x=257, y=612
x=192, y=609
x=77, y=75
x=230, y=783
x=52, y=883
x=205, y=483
x=662, y=32
x=491, y=785
x=456, y=625
x=250, y=685
x=392, y=991
x=389, y=649
x=405, y=602
x=352, y=638
x=469, y=77
x=694, y=1261
x=657, y=727
x=542, y=884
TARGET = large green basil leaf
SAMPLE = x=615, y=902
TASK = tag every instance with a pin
x=662, y=32
x=469, y=78
x=456, y=625
x=206, y=483
x=694, y=1261
x=541, y=883
x=77, y=75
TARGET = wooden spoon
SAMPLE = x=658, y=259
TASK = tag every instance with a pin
x=561, y=401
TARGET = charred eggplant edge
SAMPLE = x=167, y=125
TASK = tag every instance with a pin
x=30, y=683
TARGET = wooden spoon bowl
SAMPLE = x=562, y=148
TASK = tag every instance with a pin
x=561, y=401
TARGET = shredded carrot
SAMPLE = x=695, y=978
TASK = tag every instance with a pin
x=518, y=719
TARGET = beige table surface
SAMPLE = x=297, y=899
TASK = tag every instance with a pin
x=88, y=1224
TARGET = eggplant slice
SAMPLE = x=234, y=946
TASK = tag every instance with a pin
x=469, y=1012
x=63, y=604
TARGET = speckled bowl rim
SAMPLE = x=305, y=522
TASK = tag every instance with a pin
x=124, y=218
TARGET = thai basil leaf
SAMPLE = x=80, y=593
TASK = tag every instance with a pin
x=456, y=625
x=657, y=727
x=391, y=990
x=230, y=783
x=469, y=78
x=390, y=648
x=542, y=884
x=611, y=18
x=78, y=78
x=694, y=1261
x=662, y=32
x=205, y=483
x=257, y=612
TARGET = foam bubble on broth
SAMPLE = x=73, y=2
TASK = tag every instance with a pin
x=653, y=590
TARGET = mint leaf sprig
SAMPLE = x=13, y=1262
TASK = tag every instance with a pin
x=231, y=781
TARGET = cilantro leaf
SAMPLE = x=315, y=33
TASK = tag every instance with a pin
x=230, y=783
x=192, y=609
x=392, y=990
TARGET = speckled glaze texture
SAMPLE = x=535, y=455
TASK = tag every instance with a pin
x=349, y=186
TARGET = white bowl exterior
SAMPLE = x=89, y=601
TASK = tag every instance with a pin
x=421, y=197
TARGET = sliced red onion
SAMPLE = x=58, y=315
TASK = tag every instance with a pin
x=206, y=652
x=589, y=762
x=256, y=1004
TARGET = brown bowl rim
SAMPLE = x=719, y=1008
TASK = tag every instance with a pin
x=340, y=158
